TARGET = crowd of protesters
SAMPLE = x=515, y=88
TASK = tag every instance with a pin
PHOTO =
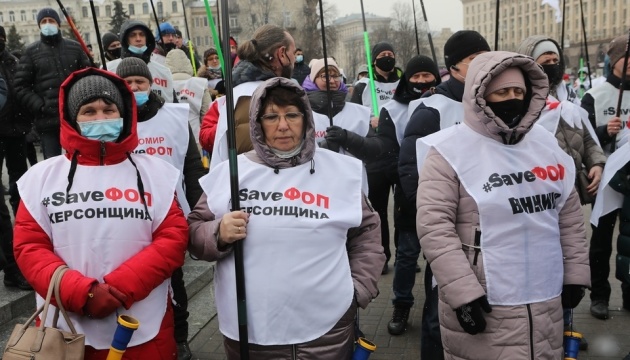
x=490, y=163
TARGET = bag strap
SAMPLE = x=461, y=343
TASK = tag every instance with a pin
x=578, y=167
x=60, y=307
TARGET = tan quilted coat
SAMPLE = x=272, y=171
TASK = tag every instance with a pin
x=447, y=217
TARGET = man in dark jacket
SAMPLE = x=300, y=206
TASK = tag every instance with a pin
x=112, y=46
x=13, y=126
x=44, y=65
x=300, y=69
x=460, y=49
x=13, y=147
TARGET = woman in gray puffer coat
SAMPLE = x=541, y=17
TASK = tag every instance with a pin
x=499, y=219
x=312, y=252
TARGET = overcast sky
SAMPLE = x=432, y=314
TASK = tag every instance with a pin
x=440, y=13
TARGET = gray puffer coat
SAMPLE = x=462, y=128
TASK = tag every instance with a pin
x=365, y=253
x=448, y=216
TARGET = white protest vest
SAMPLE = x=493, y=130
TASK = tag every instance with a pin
x=297, y=272
x=607, y=199
x=166, y=136
x=162, y=78
x=384, y=93
x=191, y=91
x=520, y=190
x=220, y=147
x=352, y=117
x=575, y=116
x=451, y=111
x=101, y=225
x=605, y=98
x=398, y=113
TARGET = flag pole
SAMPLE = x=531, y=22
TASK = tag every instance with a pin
x=366, y=40
x=75, y=31
x=415, y=26
x=98, y=35
x=190, y=47
x=241, y=302
x=424, y=14
x=157, y=23
x=588, y=61
x=496, y=25
x=328, y=94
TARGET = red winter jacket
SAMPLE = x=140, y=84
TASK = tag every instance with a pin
x=209, y=127
x=134, y=278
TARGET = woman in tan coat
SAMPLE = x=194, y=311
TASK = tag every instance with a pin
x=499, y=219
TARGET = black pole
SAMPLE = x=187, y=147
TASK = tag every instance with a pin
x=98, y=36
x=588, y=61
x=496, y=26
x=424, y=15
x=621, y=89
x=185, y=20
x=243, y=336
x=157, y=22
x=220, y=25
x=328, y=94
x=75, y=31
x=564, y=9
x=415, y=25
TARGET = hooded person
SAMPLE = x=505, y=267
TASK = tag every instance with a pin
x=270, y=53
x=189, y=89
x=495, y=282
x=138, y=41
x=108, y=210
x=44, y=65
x=440, y=108
x=112, y=46
x=319, y=280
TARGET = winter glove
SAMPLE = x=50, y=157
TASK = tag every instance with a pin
x=336, y=134
x=572, y=295
x=470, y=316
x=103, y=300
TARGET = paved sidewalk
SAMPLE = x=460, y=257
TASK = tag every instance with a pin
x=608, y=339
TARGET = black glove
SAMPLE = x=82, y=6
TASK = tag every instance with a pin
x=572, y=295
x=470, y=316
x=336, y=134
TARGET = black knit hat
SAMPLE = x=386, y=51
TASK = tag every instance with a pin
x=132, y=66
x=380, y=47
x=108, y=39
x=462, y=44
x=48, y=12
x=90, y=88
x=421, y=63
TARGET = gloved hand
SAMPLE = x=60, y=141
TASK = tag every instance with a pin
x=572, y=295
x=103, y=300
x=470, y=316
x=336, y=134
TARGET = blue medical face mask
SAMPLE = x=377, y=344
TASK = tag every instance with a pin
x=299, y=58
x=49, y=29
x=102, y=130
x=137, y=50
x=141, y=97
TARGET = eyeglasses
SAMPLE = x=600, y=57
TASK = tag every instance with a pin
x=335, y=77
x=290, y=117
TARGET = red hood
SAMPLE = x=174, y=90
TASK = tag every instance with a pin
x=91, y=151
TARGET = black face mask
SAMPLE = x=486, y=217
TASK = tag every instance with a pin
x=554, y=74
x=386, y=63
x=510, y=111
x=170, y=46
x=419, y=88
x=114, y=53
x=2, y=46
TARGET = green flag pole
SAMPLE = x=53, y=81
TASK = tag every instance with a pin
x=366, y=40
x=215, y=36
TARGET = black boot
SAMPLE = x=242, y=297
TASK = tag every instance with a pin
x=183, y=351
x=398, y=324
x=16, y=280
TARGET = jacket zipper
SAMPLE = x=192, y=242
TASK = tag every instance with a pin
x=531, y=332
x=102, y=157
x=294, y=352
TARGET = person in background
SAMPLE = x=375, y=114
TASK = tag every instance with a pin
x=179, y=43
x=211, y=70
x=318, y=281
x=505, y=268
x=45, y=64
x=612, y=131
x=118, y=261
x=300, y=69
x=112, y=46
x=165, y=39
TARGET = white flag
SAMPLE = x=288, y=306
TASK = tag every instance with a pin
x=554, y=4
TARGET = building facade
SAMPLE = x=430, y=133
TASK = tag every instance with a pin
x=604, y=20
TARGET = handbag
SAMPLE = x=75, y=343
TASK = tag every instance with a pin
x=46, y=343
x=581, y=175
